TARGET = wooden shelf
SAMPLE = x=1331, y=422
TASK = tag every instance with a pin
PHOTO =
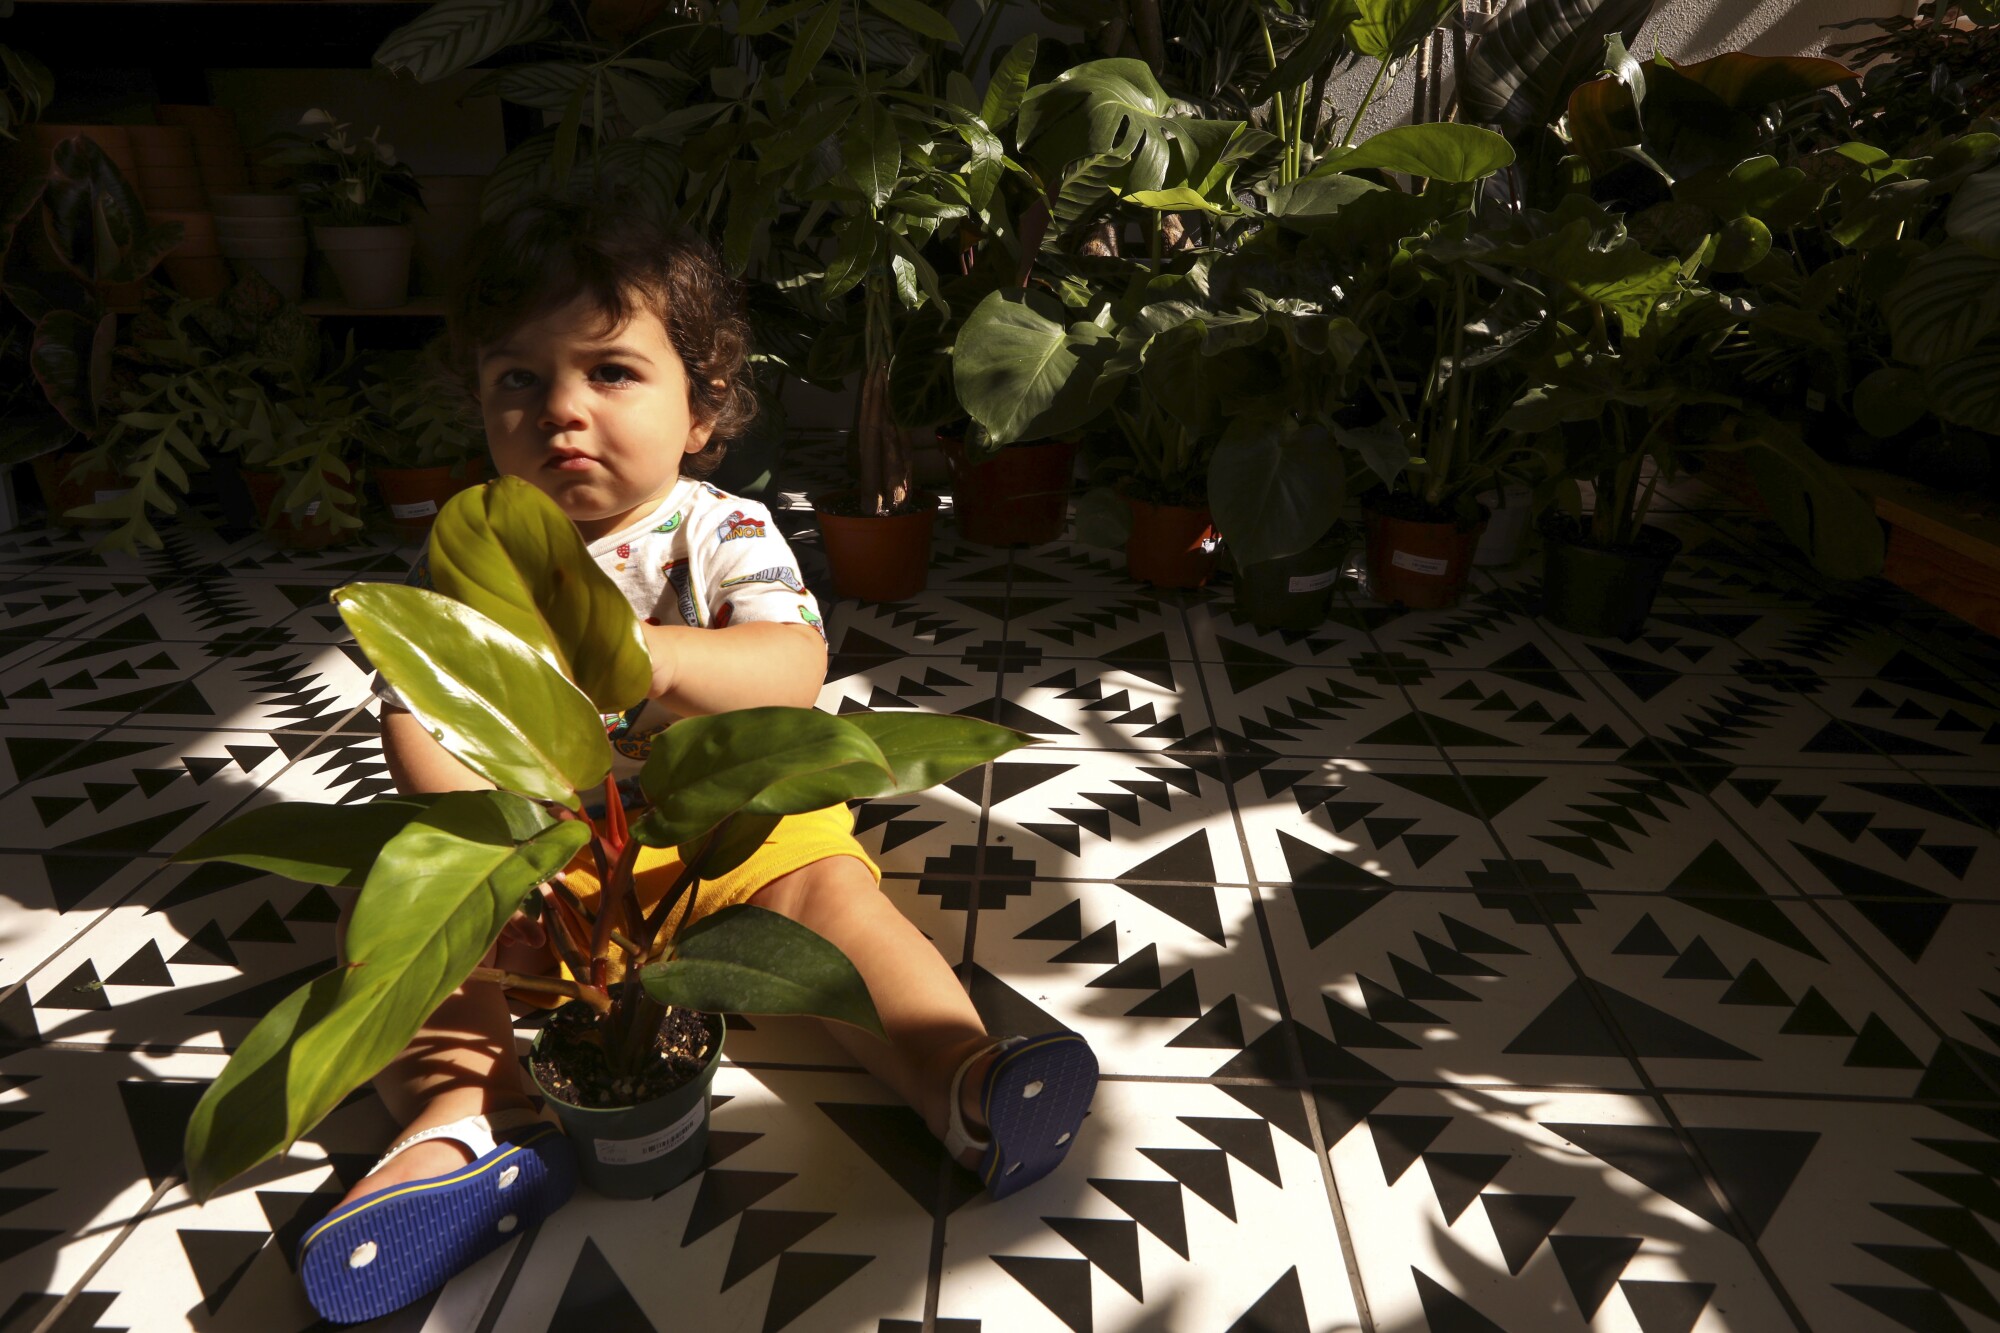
x=417, y=307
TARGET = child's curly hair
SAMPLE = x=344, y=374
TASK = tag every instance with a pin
x=605, y=248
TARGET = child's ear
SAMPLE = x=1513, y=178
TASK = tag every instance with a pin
x=700, y=431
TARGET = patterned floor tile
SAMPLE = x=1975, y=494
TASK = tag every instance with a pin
x=1136, y=705
x=1623, y=828
x=103, y=680
x=374, y=557
x=51, y=898
x=814, y=1214
x=86, y=1139
x=278, y=686
x=1866, y=833
x=1314, y=710
x=1436, y=987
x=887, y=682
x=1163, y=979
x=1369, y=824
x=1730, y=993
x=1484, y=628
x=1132, y=625
x=1865, y=1210
x=925, y=832
x=1103, y=815
x=1170, y=1186
x=1529, y=709
x=1547, y=1211
x=933, y=625
x=1217, y=629
x=46, y=604
x=1920, y=718
x=1946, y=958
x=1065, y=564
x=185, y=547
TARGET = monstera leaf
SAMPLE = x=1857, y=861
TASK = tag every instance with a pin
x=1111, y=109
x=1023, y=372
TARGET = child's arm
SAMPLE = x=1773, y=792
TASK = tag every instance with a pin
x=417, y=762
x=749, y=665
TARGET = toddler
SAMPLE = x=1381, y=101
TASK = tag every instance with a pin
x=607, y=357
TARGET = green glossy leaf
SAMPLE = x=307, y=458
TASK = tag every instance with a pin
x=734, y=841
x=1743, y=243
x=434, y=903
x=925, y=749
x=1022, y=373
x=1314, y=199
x=812, y=46
x=1382, y=448
x=1009, y=84
x=1390, y=29
x=873, y=153
x=310, y=842
x=1947, y=302
x=1890, y=401
x=1535, y=52
x=919, y=18
x=1323, y=42
x=1443, y=151
x=1966, y=392
x=762, y=761
x=1274, y=488
x=746, y=960
x=492, y=701
x=1100, y=109
x=1974, y=215
x=1834, y=524
x=457, y=34
x=505, y=550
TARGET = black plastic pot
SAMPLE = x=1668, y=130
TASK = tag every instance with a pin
x=636, y=1152
x=1603, y=594
x=1293, y=591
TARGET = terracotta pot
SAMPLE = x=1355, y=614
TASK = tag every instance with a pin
x=161, y=146
x=451, y=211
x=1171, y=546
x=299, y=530
x=256, y=204
x=1020, y=494
x=1418, y=564
x=259, y=229
x=372, y=263
x=202, y=277
x=878, y=559
x=117, y=145
x=198, y=236
x=64, y=490
x=415, y=494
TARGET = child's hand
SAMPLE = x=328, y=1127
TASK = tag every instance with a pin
x=660, y=645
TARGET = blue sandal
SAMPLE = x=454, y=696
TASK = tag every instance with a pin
x=1034, y=1097
x=399, y=1244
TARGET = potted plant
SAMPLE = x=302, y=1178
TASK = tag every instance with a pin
x=423, y=444
x=69, y=241
x=359, y=200
x=513, y=674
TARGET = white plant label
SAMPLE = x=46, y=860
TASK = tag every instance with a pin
x=1312, y=582
x=1419, y=564
x=1815, y=401
x=421, y=509
x=626, y=1152
x=308, y=511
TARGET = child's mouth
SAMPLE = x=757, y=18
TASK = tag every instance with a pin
x=572, y=463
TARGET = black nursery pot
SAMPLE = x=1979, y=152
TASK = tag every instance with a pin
x=1603, y=594
x=1291, y=592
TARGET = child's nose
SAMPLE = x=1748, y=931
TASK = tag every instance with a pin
x=562, y=408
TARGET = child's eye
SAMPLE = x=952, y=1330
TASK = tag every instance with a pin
x=627, y=375
x=506, y=379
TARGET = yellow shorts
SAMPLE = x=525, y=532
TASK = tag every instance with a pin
x=797, y=842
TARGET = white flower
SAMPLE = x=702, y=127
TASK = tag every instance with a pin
x=316, y=116
x=385, y=154
x=357, y=193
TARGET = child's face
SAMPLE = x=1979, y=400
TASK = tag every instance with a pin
x=597, y=422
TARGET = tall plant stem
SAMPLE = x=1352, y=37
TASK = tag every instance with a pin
x=1354, y=121
x=1289, y=171
x=590, y=995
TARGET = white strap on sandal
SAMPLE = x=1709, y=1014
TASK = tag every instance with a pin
x=958, y=1140
x=479, y=1134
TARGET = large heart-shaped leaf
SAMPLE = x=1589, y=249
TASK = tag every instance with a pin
x=1390, y=29
x=746, y=960
x=1443, y=151
x=1966, y=392
x=1275, y=488
x=1947, y=302
x=1535, y=53
x=308, y=841
x=925, y=749
x=1974, y=215
x=457, y=34
x=492, y=701
x=1023, y=373
x=507, y=551
x=762, y=761
x=436, y=900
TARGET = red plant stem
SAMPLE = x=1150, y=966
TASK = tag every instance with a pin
x=590, y=995
x=618, y=883
x=570, y=926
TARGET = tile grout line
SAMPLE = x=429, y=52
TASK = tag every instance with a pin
x=53, y=1319
x=1322, y=1151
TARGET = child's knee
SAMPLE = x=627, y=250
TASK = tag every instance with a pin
x=829, y=885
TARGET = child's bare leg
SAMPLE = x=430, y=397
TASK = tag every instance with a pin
x=930, y=1021
x=461, y=1063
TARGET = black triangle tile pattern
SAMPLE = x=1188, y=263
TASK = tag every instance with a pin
x=1289, y=886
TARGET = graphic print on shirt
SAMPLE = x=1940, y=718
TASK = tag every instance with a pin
x=781, y=575
x=671, y=523
x=723, y=614
x=805, y=614
x=676, y=572
x=738, y=524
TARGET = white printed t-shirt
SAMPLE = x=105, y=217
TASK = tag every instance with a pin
x=702, y=557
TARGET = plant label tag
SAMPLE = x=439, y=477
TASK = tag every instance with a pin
x=307, y=512
x=106, y=497
x=1312, y=582
x=625, y=1152
x=1419, y=564
x=421, y=509
x=1815, y=401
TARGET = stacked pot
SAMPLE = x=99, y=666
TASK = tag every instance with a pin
x=264, y=233
x=164, y=169
x=218, y=151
